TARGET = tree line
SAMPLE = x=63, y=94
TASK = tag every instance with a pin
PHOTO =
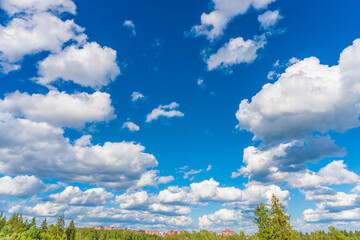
x=273, y=223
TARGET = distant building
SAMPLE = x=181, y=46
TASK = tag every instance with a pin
x=228, y=232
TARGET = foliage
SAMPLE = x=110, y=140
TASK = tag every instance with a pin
x=263, y=221
x=273, y=223
x=16, y=228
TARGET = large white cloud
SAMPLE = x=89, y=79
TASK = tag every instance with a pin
x=236, y=51
x=332, y=205
x=280, y=163
x=34, y=6
x=89, y=66
x=28, y=147
x=59, y=108
x=335, y=173
x=308, y=97
x=74, y=196
x=213, y=24
x=21, y=186
x=35, y=33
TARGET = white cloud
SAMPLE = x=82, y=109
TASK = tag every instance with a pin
x=59, y=108
x=281, y=163
x=208, y=168
x=220, y=217
x=236, y=51
x=214, y=23
x=167, y=111
x=45, y=209
x=209, y=190
x=135, y=96
x=32, y=34
x=74, y=196
x=21, y=186
x=131, y=26
x=332, y=205
x=141, y=201
x=334, y=173
x=192, y=172
x=151, y=178
x=269, y=19
x=131, y=126
x=308, y=97
x=135, y=200
x=201, y=83
x=40, y=149
x=89, y=66
x=35, y=6
x=169, y=209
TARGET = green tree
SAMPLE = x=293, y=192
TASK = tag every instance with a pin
x=263, y=221
x=336, y=234
x=33, y=222
x=281, y=228
x=43, y=227
x=60, y=226
x=70, y=231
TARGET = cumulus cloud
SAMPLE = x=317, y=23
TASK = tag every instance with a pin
x=132, y=127
x=308, y=97
x=32, y=34
x=269, y=19
x=332, y=205
x=89, y=66
x=279, y=163
x=142, y=201
x=152, y=178
x=135, y=96
x=221, y=217
x=131, y=26
x=21, y=186
x=13, y=7
x=209, y=190
x=135, y=200
x=74, y=196
x=39, y=149
x=213, y=24
x=59, y=108
x=334, y=173
x=236, y=51
x=167, y=111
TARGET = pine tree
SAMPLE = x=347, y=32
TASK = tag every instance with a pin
x=60, y=225
x=33, y=222
x=43, y=227
x=70, y=231
x=281, y=228
x=263, y=221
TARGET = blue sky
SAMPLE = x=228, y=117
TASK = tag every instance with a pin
x=180, y=114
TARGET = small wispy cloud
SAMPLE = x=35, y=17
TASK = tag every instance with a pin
x=167, y=111
x=131, y=26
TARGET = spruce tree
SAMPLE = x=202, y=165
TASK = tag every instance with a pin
x=43, y=227
x=281, y=228
x=70, y=231
x=263, y=221
x=33, y=222
x=60, y=225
